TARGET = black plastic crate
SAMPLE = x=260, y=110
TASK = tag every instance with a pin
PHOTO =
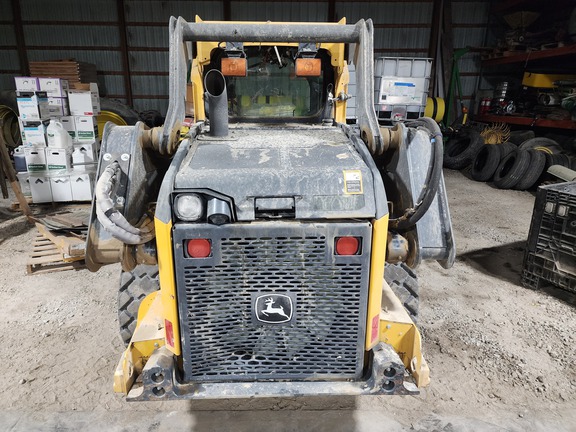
x=550, y=256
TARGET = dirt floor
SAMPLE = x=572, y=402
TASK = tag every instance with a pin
x=501, y=356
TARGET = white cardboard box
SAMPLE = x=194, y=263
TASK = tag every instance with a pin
x=86, y=129
x=61, y=189
x=83, y=154
x=54, y=87
x=57, y=159
x=21, y=125
x=35, y=159
x=32, y=105
x=69, y=124
x=40, y=188
x=35, y=132
x=24, y=180
x=58, y=107
x=82, y=186
x=84, y=102
x=26, y=84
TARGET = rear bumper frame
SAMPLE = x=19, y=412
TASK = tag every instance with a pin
x=160, y=382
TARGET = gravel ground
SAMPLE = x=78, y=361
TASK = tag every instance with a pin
x=501, y=357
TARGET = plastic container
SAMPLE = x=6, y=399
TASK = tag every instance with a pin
x=58, y=137
x=401, y=87
x=550, y=256
x=20, y=159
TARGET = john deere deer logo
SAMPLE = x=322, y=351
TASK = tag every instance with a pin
x=273, y=308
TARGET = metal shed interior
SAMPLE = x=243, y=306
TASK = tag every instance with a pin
x=127, y=40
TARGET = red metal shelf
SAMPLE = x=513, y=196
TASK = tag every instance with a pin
x=532, y=56
x=527, y=121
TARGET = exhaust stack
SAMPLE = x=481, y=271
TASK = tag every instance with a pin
x=215, y=85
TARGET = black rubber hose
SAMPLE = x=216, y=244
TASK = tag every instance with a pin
x=430, y=186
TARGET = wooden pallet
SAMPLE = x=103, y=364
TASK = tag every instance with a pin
x=70, y=70
x=46, y=257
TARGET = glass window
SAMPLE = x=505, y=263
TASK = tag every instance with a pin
x=271, y=88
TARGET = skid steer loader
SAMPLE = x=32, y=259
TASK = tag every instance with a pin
x=254, y=240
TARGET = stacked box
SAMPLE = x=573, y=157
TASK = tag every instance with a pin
x=27, y=84
x=401, y=87
x=32, y=105
x=58, y=107
x=36, y=159
x=84, y=156
x=61, y=188
x=40, y=188
x=58, y=160
x=35, y=132
x=84, y=100
x=550, y=256
x=82, y=185
x=24, y=180
x=86, y=129
x=54, y=87
x=69, y=123
x=53, y=174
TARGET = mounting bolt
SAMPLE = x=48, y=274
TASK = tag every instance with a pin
x=125, y=157
x=120, y=200
x=388, y=326
x=156, y=345
x=107, y=156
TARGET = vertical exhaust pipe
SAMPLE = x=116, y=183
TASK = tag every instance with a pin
x=215, y=86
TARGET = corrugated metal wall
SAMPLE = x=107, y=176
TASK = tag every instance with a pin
x=132, y=35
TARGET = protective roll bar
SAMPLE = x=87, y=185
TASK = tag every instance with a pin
x=360, y=34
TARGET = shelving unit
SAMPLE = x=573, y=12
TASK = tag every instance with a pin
x=527, y=121
x=531, y=56
x=559, y=60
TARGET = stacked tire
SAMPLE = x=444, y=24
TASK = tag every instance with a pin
x=508, y=165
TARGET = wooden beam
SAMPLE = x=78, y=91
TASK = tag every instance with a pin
x=332, y=11
x=20, y=41
x=122, y=29
x=11, y=175
x=227, y=10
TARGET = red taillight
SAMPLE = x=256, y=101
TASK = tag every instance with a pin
x=347, y=245
x=199, y=248
x=169, y=333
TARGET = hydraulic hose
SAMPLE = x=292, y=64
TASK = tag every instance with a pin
x=111, y=219
x=430, y=186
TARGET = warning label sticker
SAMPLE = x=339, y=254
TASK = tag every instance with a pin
x=353, y=182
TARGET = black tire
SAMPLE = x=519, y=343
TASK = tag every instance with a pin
x=507, y=148
x=511, y=169
x=9, y=113
x=534, y=171
x=541, y=142
x=519, y=136
x=134, y=286
x=485, y=163
x=461, y=149
x=120, y=109
x=404, y=284
x=557, y=159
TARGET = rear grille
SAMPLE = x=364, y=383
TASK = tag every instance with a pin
x=221, y=337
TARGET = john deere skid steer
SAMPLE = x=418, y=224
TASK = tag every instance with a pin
x=254, y=238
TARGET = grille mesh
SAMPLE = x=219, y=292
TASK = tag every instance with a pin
x=224, y=342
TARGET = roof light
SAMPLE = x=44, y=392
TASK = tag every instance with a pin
x=234, y=66
x=308, y=67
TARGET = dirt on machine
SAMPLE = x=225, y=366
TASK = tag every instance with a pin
x=268, y=247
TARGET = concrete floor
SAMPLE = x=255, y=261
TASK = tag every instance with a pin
x=501, y=357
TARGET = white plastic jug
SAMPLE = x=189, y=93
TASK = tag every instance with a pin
x=58, y=136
